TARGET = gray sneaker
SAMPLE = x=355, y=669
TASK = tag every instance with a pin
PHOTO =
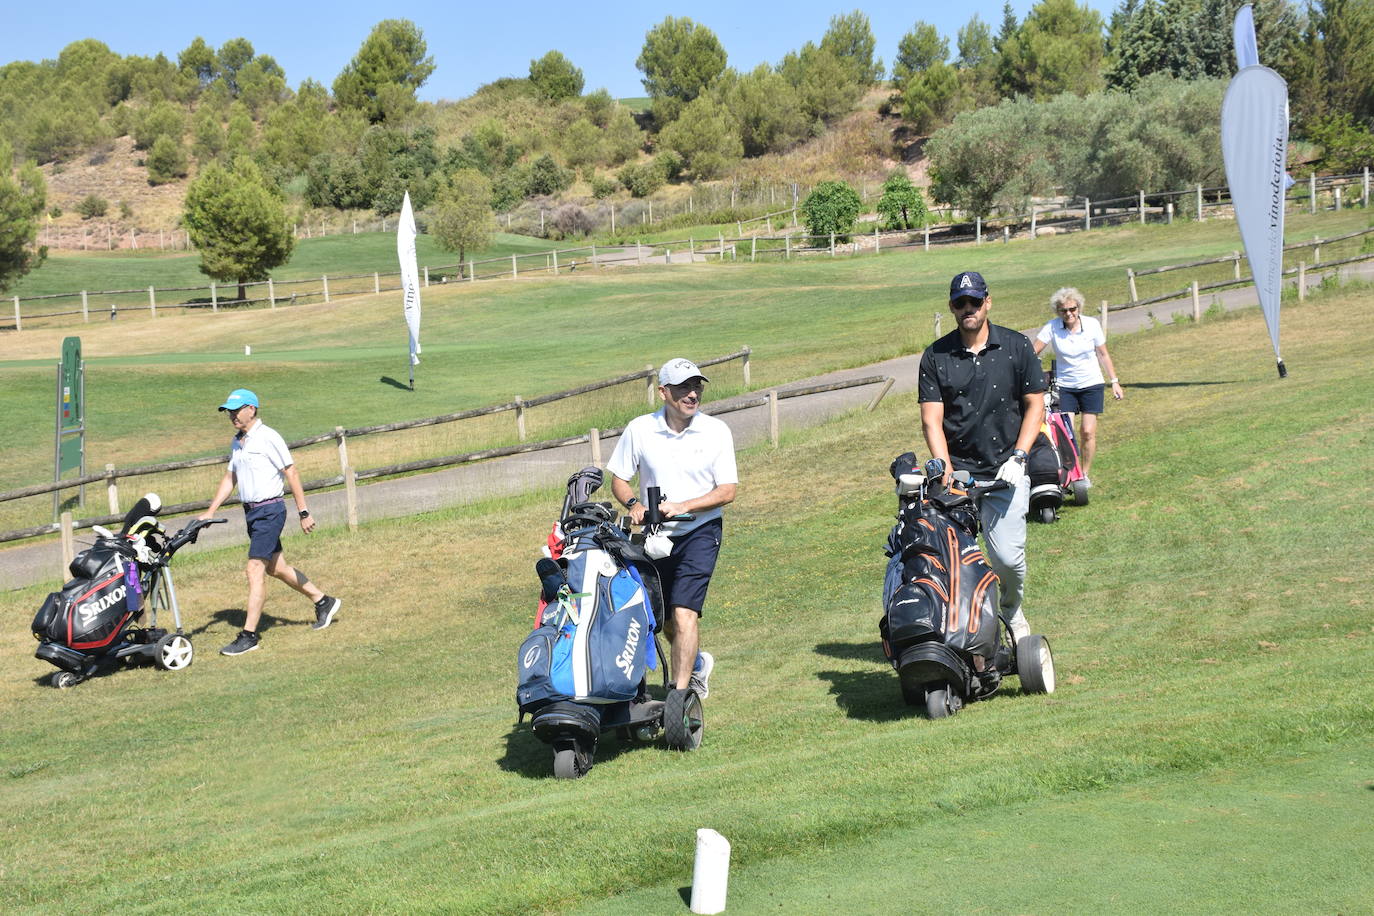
x=325, y=609
x=701, y=674
x=246, y=641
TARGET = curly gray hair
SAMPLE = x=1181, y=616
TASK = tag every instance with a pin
x=1064, y=295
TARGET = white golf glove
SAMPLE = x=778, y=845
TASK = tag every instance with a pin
x=1013, y=470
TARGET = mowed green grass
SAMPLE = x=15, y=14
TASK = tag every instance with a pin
x=1210, y=615
x=335, y=255
x=151, y=385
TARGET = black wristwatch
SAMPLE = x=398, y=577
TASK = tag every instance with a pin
x=305, y=513
x=631, y=502
x=1019, y=454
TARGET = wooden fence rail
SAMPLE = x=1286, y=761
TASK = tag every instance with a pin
x=1070, y=214
x=111, y=474
x=593, y=438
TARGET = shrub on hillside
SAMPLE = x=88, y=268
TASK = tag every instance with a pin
x=545, y=176
x=642, y=179
x=166, y=161
x=902, y=206
x=831, y=207
x=571, y=220
x=602, y=186
x=92, y=206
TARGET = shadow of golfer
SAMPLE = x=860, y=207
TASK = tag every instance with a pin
x=388, y=380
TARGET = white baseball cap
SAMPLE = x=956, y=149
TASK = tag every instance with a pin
x=677, y=371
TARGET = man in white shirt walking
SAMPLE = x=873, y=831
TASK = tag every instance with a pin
x=690, y=457
x=259, y=463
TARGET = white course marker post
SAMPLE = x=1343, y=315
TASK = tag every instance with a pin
x=711, y=873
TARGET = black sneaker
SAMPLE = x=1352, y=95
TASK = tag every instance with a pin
x=246, y=641
x=325, y=609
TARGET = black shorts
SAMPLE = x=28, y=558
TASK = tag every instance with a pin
x=1082, y=400
x=265, y=524
x=686, y=572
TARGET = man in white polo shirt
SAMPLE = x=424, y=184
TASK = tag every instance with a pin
x=259, y=462
x=690, y=457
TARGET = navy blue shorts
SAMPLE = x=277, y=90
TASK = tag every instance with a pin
x=1081, y=400
x=265, y=524
x=686, y=572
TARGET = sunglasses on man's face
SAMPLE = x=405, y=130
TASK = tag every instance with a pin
x=1068, y=310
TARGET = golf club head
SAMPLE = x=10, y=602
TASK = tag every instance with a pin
x=101, y=531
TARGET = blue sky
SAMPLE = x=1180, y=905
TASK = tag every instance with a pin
x=471, y=43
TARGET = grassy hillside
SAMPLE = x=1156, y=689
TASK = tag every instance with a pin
x=1208, y=610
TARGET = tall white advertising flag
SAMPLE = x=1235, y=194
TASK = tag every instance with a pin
x=1243, y=37
x=1254, y=144
x=410, y=280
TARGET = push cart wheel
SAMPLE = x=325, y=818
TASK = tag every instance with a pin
x=173, y=652
x=1047, y=515
x=64, y=679
x=571, y=763
x=682, y=720
x=941, y=702
x=1035, y=664
x=1080, y=492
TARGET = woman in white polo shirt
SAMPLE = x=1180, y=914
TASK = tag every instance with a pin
x=1080, y=355
x=690, y=457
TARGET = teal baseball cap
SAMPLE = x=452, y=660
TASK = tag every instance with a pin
x=238, y=398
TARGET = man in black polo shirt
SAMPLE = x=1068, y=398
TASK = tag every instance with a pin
x=982, y=396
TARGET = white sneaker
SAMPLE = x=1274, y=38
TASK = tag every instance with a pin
x=700, y=674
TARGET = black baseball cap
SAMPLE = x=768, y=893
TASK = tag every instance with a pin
x=969, y=283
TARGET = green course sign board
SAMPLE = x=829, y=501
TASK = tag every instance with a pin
x=71, y=411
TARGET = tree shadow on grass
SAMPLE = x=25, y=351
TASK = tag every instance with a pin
x=388, y=380
x=870, y=695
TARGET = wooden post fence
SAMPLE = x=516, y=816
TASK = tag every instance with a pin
x=1236, y=256
x=649, y=387
x=978, y=230
x=68, y=544
x=351, y=495
x=271, y=294
x=343, y=449
x=85, y=310
x=514, y=269
x=747, y=354
x=1197, y=303
x=112, y=489
x=773, y=416
x=520, y=417
x=1302, y=281
x=1141, y=208
x=882, y=393
x=214, y=297
x=152, y=302
x=1103, y=319
x=324, y=282
x=594, y=440
x=376, y=282
x=1130, y=282
x=1312, y=192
